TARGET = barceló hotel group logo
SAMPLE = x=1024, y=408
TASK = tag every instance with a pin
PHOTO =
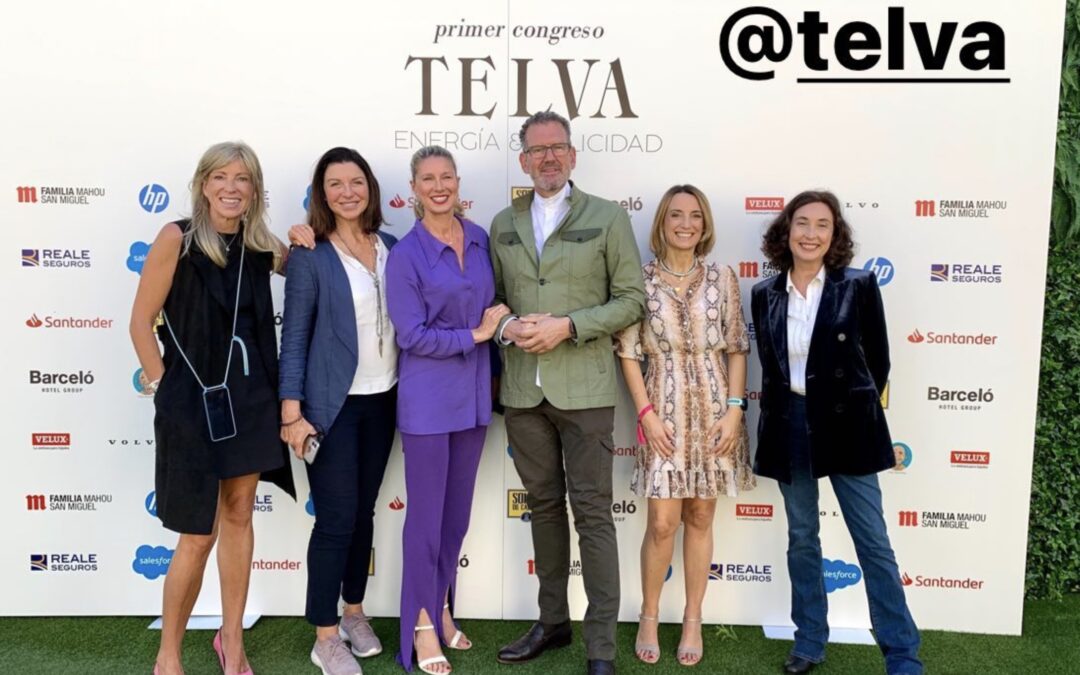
x=753, y=35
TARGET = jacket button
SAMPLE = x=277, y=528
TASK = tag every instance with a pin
x=543, y=281
x=839, y=407
x=841, y=337
x=839, y=372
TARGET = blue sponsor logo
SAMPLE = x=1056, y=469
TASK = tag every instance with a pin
x=310, y=506
x=152, y=561
x=509, y=451
x=902, y=452
x=307, y=198
x=31, y=257
x=153, y=198
x=39, y=562
x=882, y=268
x=667, y=576
x=151, y=503
x=137, y=256
x=839, y=574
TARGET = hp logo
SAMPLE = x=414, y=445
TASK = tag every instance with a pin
x=153, y=198
x=151, y=503
x=882, y=268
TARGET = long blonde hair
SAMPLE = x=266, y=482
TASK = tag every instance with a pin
x=257, y=236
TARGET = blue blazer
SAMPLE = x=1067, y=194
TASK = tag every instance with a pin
x=847, y=370
x=318, y=333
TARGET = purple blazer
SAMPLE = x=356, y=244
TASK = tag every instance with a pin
x=444, y=378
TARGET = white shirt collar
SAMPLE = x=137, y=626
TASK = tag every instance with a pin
x=554, y=200
x=819, y=277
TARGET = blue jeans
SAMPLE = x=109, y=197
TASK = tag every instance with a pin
x=860, y=504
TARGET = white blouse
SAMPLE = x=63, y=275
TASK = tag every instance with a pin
x=801, y=314
x=375, y=372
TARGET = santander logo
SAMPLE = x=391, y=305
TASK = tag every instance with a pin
x=906, y=580
x=916, y=337
x=34, y=321
x=397, y=202
x=397, y=504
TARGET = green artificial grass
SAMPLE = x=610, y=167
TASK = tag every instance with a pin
x=280, y=646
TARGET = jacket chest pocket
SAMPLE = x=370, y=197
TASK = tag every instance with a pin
x=582, y=252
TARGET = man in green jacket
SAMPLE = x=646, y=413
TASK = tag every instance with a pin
x=568, y=266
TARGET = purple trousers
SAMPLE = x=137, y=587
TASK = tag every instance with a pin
x=440, y=474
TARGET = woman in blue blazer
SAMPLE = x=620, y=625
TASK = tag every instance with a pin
x=824, y=355
x=338, y=384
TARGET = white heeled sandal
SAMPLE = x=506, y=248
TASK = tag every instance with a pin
x=425, y=664
x=456, y=640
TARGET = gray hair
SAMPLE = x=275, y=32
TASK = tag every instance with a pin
x=543, y=117
x=427, y=152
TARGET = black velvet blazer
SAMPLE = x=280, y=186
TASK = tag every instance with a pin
x=846, y=371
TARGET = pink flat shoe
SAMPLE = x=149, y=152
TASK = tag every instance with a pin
x=220, y=655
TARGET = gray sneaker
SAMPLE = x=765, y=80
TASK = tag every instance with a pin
x=357, y=630
x=333, y=658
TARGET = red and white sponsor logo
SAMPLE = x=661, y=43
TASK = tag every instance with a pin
x=764, y=204
x=26, y=195
x=51, y=441
x=68, y=322
x=920, y=581
x=397, y=504
x=754, y=511
x=935, y=338
x=909, y=519
x=969, y=458
x=397, y=202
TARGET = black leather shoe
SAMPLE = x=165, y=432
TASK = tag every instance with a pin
x=539, y=639
x=797, y=664
x=599, y=667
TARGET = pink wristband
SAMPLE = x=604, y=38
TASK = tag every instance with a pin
x=641, y=432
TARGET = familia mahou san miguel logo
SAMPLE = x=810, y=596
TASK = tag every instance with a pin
x=591, y=86
x=875, y=50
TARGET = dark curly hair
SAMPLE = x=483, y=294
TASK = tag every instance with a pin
x=774, y=243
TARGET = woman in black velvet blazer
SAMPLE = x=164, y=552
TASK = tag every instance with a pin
x=824, y=354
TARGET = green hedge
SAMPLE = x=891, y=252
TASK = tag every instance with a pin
x=1054, y=536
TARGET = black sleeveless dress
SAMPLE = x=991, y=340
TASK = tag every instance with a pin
x=200, y=309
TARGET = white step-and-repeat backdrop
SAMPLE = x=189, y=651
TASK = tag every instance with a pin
x=934, y=122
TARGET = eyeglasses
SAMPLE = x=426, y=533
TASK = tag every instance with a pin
x=540, y=151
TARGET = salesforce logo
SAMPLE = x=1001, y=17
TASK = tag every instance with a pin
x=882, y=268
x=839, y=574
x=152, y=561
x=153, y=198
x=137, y=256
x=151, y=503
x=307, y=198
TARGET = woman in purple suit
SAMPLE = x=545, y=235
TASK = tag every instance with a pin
x=439, y=288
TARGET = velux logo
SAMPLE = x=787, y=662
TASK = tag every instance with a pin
x=764, y=204
x=969, y=459
x=50, y=441
x=754, y=511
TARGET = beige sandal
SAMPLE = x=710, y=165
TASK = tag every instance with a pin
x=696, y=652
x=651, y=649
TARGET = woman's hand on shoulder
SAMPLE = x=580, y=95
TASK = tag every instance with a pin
x=302, y=235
